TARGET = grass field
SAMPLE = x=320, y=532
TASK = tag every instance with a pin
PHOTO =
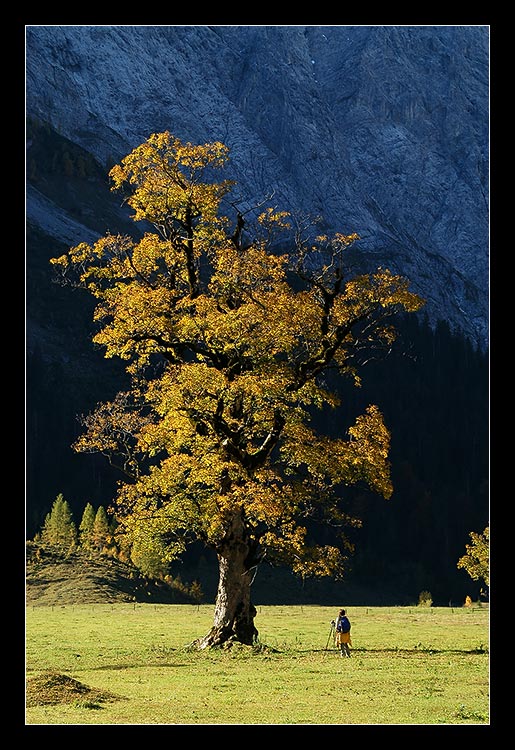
x=415, y=665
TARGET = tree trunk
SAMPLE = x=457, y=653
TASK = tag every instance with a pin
x=234, y=611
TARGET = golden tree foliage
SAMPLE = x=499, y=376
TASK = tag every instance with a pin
x=476, y=561
x=226, y=357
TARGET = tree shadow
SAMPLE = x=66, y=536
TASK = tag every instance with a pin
x=401, y=651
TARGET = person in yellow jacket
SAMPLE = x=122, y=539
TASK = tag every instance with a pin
x=343, y=640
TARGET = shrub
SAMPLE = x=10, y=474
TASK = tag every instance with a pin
x=425, y=599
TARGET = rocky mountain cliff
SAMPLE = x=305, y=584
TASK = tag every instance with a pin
x=382, y=130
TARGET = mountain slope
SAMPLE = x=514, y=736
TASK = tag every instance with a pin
x=382, y=130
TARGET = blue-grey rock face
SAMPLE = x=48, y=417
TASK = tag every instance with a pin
x=382, y=130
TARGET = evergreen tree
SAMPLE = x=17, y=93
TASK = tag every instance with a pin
x=101, y=533
x=59, y=530
x=86, y=527
x=196, y=593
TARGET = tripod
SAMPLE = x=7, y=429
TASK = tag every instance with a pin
x=331, y=632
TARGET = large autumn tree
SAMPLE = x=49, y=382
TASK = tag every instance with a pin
x=227, y=342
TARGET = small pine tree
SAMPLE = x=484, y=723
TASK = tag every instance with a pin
x=33, y=169
x=86, y=527
x=196, y=593
x=68, y=165
x=101, y=532
x=81, y=167
x=59, y=529
x=112, y=547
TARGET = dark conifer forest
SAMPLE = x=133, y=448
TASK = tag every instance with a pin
x=432, y=390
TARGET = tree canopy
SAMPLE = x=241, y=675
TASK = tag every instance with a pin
x=228, y=343
x=476, y=561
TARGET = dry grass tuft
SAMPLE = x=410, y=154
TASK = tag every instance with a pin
x=52, y=688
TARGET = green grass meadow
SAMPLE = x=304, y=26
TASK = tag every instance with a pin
x=409, y=665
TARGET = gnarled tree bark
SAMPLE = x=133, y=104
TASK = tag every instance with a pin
x=234, y=611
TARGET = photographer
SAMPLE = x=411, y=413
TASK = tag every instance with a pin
x=343, y=639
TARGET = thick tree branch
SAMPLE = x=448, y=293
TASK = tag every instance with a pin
x=314, y=365
x=258, y=458
x=190, y=258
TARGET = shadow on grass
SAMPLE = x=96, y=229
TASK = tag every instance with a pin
x=390, y=652
x=416, y=650
x=135, y=665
